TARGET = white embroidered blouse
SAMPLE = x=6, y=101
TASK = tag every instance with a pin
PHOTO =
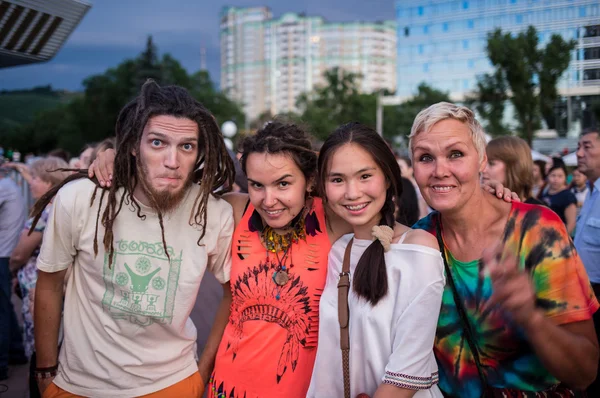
x=392, y=342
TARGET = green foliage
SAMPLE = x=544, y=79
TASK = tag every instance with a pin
x=555, y=60
x=489, y=102
x=91, y=117
x=336, y=103
x=21, y=106
x=529, y=72
x=224, y=109
x=339, y=101
x=398, y=120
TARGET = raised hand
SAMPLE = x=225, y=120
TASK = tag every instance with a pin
x=512, y=288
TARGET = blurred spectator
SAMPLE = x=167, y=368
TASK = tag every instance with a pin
x=109, y=143
x=241, y=182
x=12, y=217
x=24, y=256
x=558, y=196
x=539, y=177
x=407, y=172
x=587, y=235
x=407, y=211
x=510, y=163
x=60, y=153
x=579, y=188
x=22, y=169
x=86, y=156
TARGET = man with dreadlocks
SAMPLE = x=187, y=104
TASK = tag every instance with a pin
x=127, y=331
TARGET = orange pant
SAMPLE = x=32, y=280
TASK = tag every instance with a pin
x=191, y=387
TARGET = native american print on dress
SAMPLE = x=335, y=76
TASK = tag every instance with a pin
x=257, y=298
x=141, y=282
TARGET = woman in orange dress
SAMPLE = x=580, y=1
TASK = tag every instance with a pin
x=279, y=265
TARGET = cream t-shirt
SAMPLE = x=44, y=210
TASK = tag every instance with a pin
x=127, y=330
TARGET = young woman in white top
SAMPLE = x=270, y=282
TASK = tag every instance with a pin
x=396, y=277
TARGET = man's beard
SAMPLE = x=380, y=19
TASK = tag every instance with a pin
x=163, y=201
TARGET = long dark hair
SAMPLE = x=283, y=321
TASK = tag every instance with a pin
x=370, y=277
x=214, y=168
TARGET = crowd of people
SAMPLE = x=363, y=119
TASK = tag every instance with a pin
x=460, y=270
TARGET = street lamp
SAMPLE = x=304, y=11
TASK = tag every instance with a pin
x=229, y=129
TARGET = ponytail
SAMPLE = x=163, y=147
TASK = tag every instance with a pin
x=370, y=277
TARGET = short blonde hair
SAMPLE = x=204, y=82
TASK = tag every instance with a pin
x=516, y=155
x=428, y=117
x=44, y=169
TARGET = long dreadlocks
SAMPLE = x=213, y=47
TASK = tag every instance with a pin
x=214, y=168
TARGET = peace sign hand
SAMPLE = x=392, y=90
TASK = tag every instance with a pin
x=512, y=288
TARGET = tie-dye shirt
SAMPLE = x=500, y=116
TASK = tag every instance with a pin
x=544, y=249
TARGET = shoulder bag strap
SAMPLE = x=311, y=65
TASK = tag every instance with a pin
x=461, y=312
x=344, y=317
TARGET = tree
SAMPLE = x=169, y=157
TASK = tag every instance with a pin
x=555, y=60
x=148, y=66
x=335, y=103
x=489, y=102
x=91, y=116
x=529, y=72
x=224, y=109
x=398, y=120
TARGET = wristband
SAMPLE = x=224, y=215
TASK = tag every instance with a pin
x=45, y=373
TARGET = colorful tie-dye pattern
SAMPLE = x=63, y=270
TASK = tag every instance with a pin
x=538, y=237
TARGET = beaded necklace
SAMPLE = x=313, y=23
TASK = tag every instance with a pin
x=279, y=243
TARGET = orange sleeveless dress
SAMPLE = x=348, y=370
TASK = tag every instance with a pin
x=269, y=346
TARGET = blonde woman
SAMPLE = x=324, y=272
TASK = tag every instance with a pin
x=516, y=316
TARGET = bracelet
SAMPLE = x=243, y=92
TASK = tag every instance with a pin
x=45, y=373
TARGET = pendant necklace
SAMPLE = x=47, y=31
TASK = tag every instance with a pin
x=280, y=276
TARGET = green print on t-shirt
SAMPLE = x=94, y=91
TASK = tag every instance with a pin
x=141, y=283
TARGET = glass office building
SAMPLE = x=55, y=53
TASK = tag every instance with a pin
x=442, y=42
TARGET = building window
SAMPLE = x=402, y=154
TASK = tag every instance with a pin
x=519, y=19
x=425, y=29
x=513, y=1
x=471, y=64
x=421, y=49
x=582, y=12
x=406, y=31
x=445, y=26
x=420, y=10
x=470, y=24
x=425, y=68
x=465, y=5
x=465, y=44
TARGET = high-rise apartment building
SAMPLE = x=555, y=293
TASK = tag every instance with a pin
x=267, y=63
x=442, y=42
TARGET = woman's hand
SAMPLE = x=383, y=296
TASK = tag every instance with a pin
x=512, y=288
x=103, y=167
x=496, y=188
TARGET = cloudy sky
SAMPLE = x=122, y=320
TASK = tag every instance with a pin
x=117, y=29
